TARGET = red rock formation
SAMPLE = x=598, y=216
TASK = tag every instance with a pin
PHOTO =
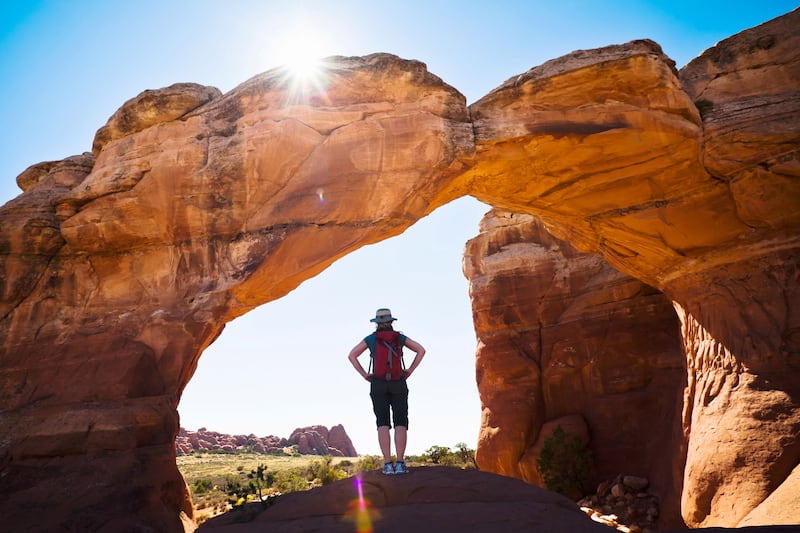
x=339, y=441
x=626, y=176
x=566, y=339
x=120, y=267
x=742, y=331
x=202, y=439
x=318, y=440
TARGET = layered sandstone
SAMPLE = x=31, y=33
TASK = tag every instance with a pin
x=567, y=340
x=120, y=266
x=635, y=178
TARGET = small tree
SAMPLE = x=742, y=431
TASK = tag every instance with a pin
x=465, y=455
x=438, y=454
x=565, y=463
x=236, y=491
x=259, y=480
x=324, y=471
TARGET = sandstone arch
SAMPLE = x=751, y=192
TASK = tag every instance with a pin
x=121, y=265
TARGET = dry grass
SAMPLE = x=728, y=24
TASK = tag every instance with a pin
x=219, y=467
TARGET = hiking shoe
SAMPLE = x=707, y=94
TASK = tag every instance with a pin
x=388, y=469
x=400, y=468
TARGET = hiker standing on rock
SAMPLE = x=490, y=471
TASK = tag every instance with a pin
x=388, y=389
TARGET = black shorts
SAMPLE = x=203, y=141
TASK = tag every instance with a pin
x=386, y=394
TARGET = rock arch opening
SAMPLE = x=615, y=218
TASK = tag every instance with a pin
x=285, y=362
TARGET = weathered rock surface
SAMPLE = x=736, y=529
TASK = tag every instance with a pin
x=564, y=339
x=118, y=268
x=742, y=331
x=429, y=499
x=334, y=442
x=626, y=177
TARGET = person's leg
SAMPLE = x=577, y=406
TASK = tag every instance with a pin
x=399, y=404
x=379, y=392
x=385, y=442
x=400, y=439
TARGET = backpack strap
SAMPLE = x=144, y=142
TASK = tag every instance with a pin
x=393, y=353
x=371, y=340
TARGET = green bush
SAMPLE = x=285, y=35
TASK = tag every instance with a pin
x=324, y=473
x=290, y=481
x=565, y=464
x=462, y=456
x=369, y=462
x=201, y=486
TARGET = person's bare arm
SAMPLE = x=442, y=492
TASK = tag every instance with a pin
x=420, y=353
x=353, y=357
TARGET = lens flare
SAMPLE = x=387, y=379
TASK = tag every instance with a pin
x=304, y=71
x=321, y=194
x=359, y=510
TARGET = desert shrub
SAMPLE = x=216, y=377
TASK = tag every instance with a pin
x=201, y=486
x=369, y=462
x=259, y=481
x=324, y=473
x=465, y=455
x=565, y=463
x=291, y=480
x=236, y=491
x=462, y=456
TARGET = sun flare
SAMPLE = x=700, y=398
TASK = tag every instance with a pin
x=303, y=63
x=305, y=69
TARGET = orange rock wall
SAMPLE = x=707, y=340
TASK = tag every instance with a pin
x=560, y=334
x=120, y=266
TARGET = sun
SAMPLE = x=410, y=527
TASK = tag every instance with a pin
x=303, y=62
x=305, y=72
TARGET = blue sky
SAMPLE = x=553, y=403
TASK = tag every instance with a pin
x=66, y=66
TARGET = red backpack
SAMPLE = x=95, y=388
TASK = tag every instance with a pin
x=387, y=355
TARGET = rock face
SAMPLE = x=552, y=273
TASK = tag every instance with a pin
x=430, y=499
x=627, y=177
x=567, y=340
x=334, y=442
x=119, y=267
x=318, y=440
x=742, y=333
